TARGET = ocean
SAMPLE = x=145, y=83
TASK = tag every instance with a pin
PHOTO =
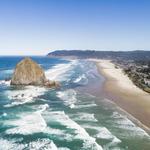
x=68, y=118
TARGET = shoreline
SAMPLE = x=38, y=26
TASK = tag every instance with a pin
x=121, y=90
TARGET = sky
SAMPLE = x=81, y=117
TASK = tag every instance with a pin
x=36, y=27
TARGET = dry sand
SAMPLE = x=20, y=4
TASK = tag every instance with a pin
x=119, y=88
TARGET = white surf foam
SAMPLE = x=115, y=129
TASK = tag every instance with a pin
x=57, y=132
x=10, y=145
x=39, y=144
x=80, y=133
x=4, y=114
x=28, y=123
x=43, y=108
x=63, y=148
x=68, y=96
x=26, y=95
x=44, y=144
x=124, y=123
x=80, y=78
x=85, y=117
x=3, y=82
x=34, y=123
x=56, y=72
x=104, y=133
x=85, y=105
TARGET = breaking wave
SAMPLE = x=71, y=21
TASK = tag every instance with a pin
x=28, y=123
x=82, y=79
x=104, y=133
x=39, y=144
x=56, y=72
x=45, y=144
x=3, y=82
x=10, y=145
x=68, y=97
x=85, y=117
x=80, y=133
x=123, y=122
x=25, y=95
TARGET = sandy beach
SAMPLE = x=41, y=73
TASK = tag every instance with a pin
x=119, y=88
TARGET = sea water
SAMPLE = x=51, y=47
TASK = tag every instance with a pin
x=68, y=118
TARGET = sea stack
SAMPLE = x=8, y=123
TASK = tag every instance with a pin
x=28, y=72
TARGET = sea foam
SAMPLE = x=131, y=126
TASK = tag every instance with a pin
x=85, y=106
x=28, y=123
x=3, y=82
x=80, y=133
x=85, y=117
x=123, y=122
x=45, y=144
x=39, y=144
x=10, y=145
x=104, y=133
x=68, y=97
x=58, y=72
x=82, y=79
x=26, y=95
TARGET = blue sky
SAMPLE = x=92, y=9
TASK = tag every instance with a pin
x=34, y=27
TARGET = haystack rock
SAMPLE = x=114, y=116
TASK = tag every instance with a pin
x=28, y=72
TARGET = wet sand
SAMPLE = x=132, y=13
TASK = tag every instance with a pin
x=119, y=88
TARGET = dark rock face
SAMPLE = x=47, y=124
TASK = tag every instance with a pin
x=28, y=72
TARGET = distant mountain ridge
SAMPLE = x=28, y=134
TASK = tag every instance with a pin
x=129, y=55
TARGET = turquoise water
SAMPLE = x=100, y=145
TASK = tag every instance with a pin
x=37, y=118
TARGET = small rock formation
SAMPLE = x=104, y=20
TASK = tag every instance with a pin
x=49, y=83
x=28, y=72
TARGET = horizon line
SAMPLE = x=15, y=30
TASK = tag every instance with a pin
x=38, y=55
